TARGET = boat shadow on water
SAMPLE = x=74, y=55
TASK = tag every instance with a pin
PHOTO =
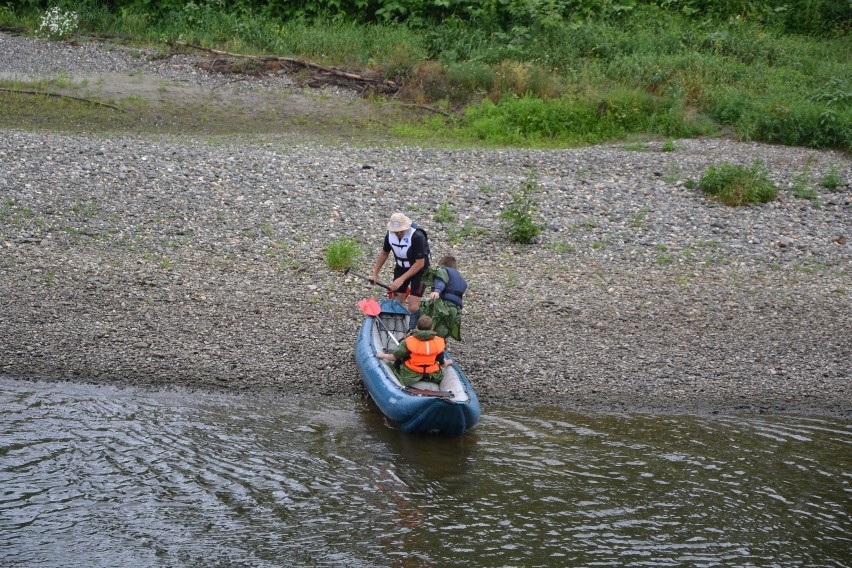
x=418, y=458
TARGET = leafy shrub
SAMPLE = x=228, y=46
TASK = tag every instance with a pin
x=737, y=185
x=519, y=216
x=342, y=253
x=7, y=16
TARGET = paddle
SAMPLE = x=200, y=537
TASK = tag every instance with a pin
x=372, y=308
x=377, y=283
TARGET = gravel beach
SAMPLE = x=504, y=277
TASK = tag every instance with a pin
x=160, y=261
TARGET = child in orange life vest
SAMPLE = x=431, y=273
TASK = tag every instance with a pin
x=419, y=356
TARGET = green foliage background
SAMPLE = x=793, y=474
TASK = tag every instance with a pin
x=545, y=72
x=797, y=16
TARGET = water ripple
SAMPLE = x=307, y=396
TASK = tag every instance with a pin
x=103, y=477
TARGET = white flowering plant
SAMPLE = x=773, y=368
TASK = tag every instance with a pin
x=58, y=24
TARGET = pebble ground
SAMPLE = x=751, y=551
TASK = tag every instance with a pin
x=176, y=261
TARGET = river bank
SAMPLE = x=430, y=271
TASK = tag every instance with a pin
x=160, y=260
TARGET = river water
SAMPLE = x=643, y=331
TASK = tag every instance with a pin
x=96, y=476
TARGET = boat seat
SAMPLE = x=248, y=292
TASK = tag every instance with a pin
x=426, y=385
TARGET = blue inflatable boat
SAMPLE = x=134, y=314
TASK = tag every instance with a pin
x=448, y=409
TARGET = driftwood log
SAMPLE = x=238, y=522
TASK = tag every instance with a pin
x=306, y=72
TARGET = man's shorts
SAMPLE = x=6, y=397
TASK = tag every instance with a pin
x=415, y=282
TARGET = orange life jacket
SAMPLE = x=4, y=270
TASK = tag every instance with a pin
x=423, y=354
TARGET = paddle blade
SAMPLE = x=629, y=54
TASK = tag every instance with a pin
x=370, y=307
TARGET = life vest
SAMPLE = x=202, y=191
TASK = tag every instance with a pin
x=401, y=246
x=455, y=287
x=423, y=354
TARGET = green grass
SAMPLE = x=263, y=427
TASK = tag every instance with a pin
x=529, y=77
x=342, y=253
x=737, y=185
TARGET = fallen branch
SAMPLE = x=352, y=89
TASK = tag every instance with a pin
x=48, y=94
x=390, y=85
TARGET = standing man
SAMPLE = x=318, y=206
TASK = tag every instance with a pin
x=410, y=246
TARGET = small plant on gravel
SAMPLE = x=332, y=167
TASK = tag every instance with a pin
x=737, y=185
x=467, y=231
x=57, y=24
x=444, y=214
x=519, y=216
x=88, y=209
x=342, y=253
x=638, y=219
x=672, y=175
x=831, y=181
x=669, y=146
x=7, y=206
x=590, y=224
x=801, y=185
x=564, y=247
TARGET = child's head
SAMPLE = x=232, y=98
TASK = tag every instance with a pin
x=448, y=261
x=424, y=322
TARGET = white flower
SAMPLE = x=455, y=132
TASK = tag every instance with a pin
x=58, y=24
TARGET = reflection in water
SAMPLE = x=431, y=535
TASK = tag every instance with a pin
x=106, y=477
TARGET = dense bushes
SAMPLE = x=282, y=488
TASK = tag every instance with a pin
x=796, y=16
